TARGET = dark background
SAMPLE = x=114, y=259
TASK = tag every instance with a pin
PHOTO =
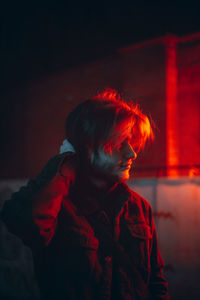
x=42, y=38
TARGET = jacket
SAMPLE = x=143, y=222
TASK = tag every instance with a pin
x=89, y=245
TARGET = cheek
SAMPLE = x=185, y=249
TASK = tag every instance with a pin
x=103, y=160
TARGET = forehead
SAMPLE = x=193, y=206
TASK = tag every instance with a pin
x=121, y=132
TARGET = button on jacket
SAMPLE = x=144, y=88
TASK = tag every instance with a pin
x=90, y=245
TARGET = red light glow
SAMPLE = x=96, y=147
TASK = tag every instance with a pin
x=171, y=107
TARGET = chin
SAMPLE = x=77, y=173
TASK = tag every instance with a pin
x=124, y=177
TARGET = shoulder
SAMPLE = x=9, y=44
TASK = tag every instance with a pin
x=137, y=207
x=136, y=198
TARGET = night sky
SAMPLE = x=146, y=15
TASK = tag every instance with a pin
x=39, y=39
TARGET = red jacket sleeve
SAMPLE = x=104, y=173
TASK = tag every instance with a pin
x=28, y=211
x=47, y=202
x=46, y=206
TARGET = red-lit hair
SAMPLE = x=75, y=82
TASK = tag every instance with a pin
x=105, y=120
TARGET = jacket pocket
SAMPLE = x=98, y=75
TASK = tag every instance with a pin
x=139, y=237
x=140, y=230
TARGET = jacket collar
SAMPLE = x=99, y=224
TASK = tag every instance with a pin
x=89, y=200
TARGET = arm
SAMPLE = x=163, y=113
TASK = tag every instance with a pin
x=17, y=212
x=16, y=208
x=46, y=206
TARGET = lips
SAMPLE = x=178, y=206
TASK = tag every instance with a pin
x=125, y=165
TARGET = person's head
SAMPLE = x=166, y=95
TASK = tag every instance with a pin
x=108, y=133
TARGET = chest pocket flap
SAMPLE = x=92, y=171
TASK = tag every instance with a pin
x=140, y=230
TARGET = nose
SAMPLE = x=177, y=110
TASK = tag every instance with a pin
x=130, y=153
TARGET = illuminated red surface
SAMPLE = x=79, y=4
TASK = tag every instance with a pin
x=162, y=75
x=171, y=107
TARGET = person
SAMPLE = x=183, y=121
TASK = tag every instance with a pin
x=91, y=236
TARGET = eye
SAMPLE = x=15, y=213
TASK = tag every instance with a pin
x=122, y=144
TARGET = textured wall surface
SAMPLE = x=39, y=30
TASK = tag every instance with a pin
x=33, y=115
x=189, y=102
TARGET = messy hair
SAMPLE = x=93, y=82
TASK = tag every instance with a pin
x=106, y=119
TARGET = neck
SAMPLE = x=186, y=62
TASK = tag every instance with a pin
x=92, y=181
x=98, y=183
